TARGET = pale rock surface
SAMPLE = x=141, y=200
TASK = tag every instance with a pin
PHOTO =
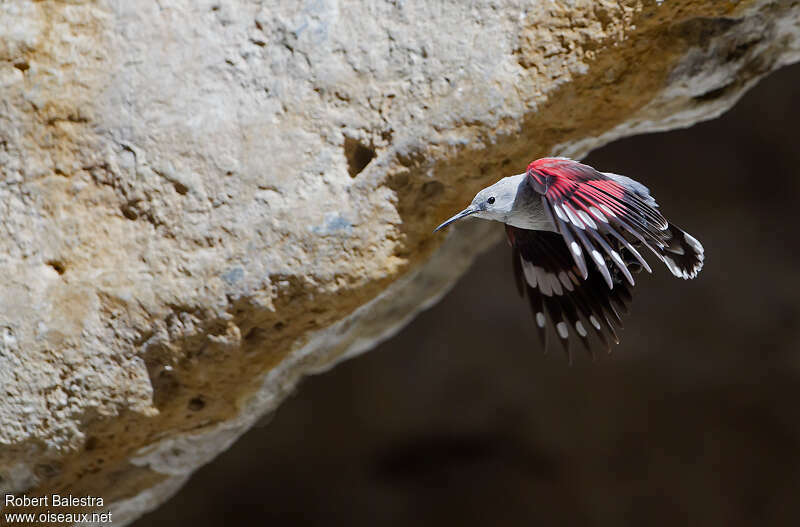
x=203, y=201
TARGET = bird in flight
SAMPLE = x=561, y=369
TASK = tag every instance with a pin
x=576, y=236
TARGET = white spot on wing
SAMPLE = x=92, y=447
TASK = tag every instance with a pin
x=555, y=284
x=574, y=219
x=560, y=213
x=693, y=242
x=566, y=281
x=561, y=327
x=540, y=319
x=529, y=271
x=580, y=329
x=587, y=219
x=575, y=248
x=544, y=281
x=594, y=321
x=607, y=210
x=597, y=214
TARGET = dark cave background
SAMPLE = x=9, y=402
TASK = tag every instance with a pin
x=460, y=419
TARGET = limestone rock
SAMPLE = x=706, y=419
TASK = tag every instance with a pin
x=203, y=201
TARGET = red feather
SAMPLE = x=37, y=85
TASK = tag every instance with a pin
x=599, y=216
x=589, y=208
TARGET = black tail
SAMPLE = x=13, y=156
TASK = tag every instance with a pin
x=683, y=254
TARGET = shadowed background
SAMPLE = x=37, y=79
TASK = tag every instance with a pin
x=460, y=420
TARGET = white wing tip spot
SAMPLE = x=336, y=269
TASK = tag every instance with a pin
x=587, y=219
x=555, y=284
x=529, y=271
x=574, y=219
x=580, y=329
x=607, y=210
x=692, y=241
x=561, y=327
x=566, y=281
x=597, y=214
x=543, y=279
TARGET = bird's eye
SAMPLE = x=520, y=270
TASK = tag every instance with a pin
x=490, y=200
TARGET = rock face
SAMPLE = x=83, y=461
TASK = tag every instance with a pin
x=203, y=201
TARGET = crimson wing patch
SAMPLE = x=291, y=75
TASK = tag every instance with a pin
x=547, y=274
x=591, y=209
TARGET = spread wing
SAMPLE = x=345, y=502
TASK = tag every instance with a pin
x=546, y=272
x=592, y=209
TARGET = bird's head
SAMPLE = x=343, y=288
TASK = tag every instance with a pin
x=492, y=203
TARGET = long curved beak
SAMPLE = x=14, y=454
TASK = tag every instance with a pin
x=463, y=214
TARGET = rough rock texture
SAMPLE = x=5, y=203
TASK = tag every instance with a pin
x=202, y=201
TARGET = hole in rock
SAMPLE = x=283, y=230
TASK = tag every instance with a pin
x=358, y=155
x=196, y=404
x=57, y=265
